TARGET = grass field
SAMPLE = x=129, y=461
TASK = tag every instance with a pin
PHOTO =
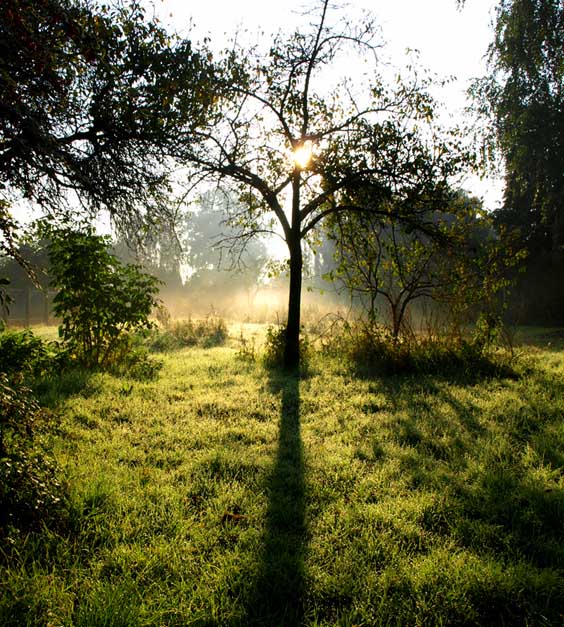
x=225, y=494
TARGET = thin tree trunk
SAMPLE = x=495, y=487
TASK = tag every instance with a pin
x=292, y=346
x=28, y=307
x=556, y=240
x=396, y=322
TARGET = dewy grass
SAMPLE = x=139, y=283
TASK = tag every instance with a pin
x=225, y=494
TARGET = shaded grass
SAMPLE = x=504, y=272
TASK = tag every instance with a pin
x=280, y=584
x=222, y=494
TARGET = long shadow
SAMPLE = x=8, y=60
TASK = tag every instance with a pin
x=505, y=509
x=279, y=591
x=54, y=388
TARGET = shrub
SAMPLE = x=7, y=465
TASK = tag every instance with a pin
x=23, y=352
x=371, y=348
x=206, y=333
x=275, y=344
x=30, y=492
x=213, y=332
x=100, y=300
x=131, y=358
x=247, y=349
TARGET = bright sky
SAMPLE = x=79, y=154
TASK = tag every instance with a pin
x=450, y=42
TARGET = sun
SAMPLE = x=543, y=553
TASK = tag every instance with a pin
x=302, y=155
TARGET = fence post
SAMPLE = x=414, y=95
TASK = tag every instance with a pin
x=46, y=307
x=28, y=307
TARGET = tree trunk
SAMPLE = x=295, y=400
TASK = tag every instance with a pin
x=294, y=241
x=556, y=240
x=396, y=322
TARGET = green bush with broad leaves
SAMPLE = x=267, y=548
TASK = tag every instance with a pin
x=23, y=353
x=100, y=300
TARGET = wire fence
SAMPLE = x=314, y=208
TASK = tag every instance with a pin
x=29, y=306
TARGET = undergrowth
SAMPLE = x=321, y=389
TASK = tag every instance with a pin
x=23, y=353
x=372, y=350
x=31, y=490
x=206, y=333
x=273, y=349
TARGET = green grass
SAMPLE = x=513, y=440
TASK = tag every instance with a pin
x=225, y=494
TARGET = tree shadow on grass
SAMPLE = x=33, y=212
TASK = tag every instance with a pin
x=279, y=589
x=506, y=506
x=55, y=388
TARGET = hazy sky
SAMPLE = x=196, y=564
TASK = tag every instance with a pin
x=450, y=42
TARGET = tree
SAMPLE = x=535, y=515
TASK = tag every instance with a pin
x=283, y=138
x=218, y=261
x=93, y=99
x=30, y=254
x=522, y=102
x=383, y=261
x=158, y=251
x=9, y=249
x=212, y=235
x=525, y=94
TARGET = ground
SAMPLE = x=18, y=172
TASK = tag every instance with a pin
x=222, y=493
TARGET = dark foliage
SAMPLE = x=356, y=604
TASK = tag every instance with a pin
x=373, y=351
x=522, y=101
x=93, y=98
x=22, y=352
x=31, y=493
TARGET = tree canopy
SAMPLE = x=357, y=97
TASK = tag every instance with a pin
x=93, y=98
x=526, y=94
x=388, y=266
x=522, y=101
x=296, y=151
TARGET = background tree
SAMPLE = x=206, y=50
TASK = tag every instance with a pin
x=294, y=148
x=320, y=261
x=219, y=262
x=92, y=100
x=389, y=267
x=524, y=98
x=31, y=253
x=158, y=250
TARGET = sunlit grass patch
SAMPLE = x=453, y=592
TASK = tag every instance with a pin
x=224, y=493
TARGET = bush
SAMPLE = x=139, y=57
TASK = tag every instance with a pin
x=23, y=352
x=30, y=492
x=131, y=358
x=185, y=333
x=371, y=348
x=100, y=300
x=275, y=344
x=247, y=349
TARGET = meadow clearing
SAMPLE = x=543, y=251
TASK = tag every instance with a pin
x=225, y=493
